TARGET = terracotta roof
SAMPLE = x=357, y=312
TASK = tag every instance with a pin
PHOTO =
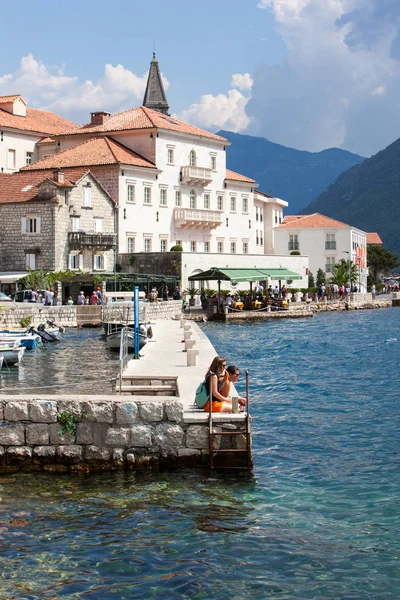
x=232, y=176
x=23, y=186
x=47, y=140
x=374, y=238
x=6, y=99
x=95, y=151
x=142, y=118
x=36, y=120
x=310, y=222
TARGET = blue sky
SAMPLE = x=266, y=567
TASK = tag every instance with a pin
x=303, y=73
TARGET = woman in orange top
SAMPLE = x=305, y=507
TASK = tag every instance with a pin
x=218, y=374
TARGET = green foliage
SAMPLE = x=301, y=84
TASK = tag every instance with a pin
x=341, y=272
x=225, y=292
x=295, y=253
x=192, y=292
x=320, y=277
x=35, y=279
x=293, y=290
x=132, y=259
x=304, y=291
x=176, y=248
x=380, y=261
x=210, y=293
x=68, y=422
x=26, y=321
x=311, y=282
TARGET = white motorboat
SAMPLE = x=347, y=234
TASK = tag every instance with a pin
x=113, y=335
x=12, y=353
x=29, y=340
x=1, y=361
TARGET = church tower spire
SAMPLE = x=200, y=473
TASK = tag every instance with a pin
x=154, y=96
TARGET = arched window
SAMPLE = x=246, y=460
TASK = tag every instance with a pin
x=193, y=199
x=192, y=158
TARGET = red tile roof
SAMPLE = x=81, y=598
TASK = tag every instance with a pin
x=310, y=222
x=41, y=121
x=6, y=99
x=23, y=186
x=47, y=140
x=374, y=238
x=142, y=118
x=232, y=176
x=95, y=151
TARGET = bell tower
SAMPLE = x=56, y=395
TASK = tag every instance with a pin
x=154, y=96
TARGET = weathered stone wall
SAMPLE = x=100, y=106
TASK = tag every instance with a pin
x=110, y=433
x=167, y=263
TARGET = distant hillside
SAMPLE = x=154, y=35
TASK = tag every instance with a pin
x=367, y=196
x=293, y=175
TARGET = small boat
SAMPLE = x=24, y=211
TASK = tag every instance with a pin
x=113, y=335
x=1, y=361
x=29, y=340
x=48, y=334
x=12, y=353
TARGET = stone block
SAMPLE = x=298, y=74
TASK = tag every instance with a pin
x=130, y=461
x=174, y=410
x=126, y=413
x=44, y=454
x=91, y=433
x=189, y=344
x=19, y=455
x=183, y=452
x=37, y=433
x=197, y=437
x=16, y=411
x=69, y=454
x=1, y=411
x=151, y=411
x=2, y=455
x=43, y=411
x=192, y=358
x=96, y=454
x=118, y=456
x=99, y=411
x=168, y=435
x=118, y=436
x=12, y=434
x=56, y=437
x=141, y=436
x=70, y=406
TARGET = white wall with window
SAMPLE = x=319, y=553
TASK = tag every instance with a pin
x=98, y=262
x=163, y=244
x=147, y=244
x=98, y=224
x=30, y=260
x=130, y=244
x=75, y=261
x=207, y=247
x=130, y=196
x=163, y=196
x=87, y=203
x=178, y=198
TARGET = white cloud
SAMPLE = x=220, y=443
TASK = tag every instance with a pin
x=242, y=81
x=219, y=112
x=340, y=82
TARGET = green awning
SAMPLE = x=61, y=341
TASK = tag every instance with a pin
x=238, y=275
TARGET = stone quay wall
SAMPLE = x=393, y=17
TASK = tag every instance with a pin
x=108, y=433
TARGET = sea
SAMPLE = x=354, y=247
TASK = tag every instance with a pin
x=318, y=518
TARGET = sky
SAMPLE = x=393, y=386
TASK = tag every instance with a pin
x=310, y=74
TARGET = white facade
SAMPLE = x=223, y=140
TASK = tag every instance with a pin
x=17, y=149
x=324, y=246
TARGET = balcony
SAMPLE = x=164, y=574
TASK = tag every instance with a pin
x=80, y=240
x=197, y=219
x=196, y=175
x=330, y=245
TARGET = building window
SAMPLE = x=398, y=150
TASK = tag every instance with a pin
x=131, y=193
x=75, y=223
x=98, y=225
x=87, y=203
x=178, y=198
x=163, y=245
x=30, y=261
x=206, y=200
x=75, y=261
x=280, y=219
x=293, y=242
x=261, y=239
x=147, y=244
x=256, y=213
x=245, y=248
x=206, y=246
x=30, y=225
x=193, y=246
x=220, y=247
x=163, y=197
x=147, y=195
x=214, y=163
x=330, y=261
x=261, y=215
x=11, y=159
x=131, y=244
x=245, y=205
x=257, y=238
x=276, y=218
x=192, y=199
x=28, y=158
x=192, y=158
x=233, y=204
x=170, y=158
x=330, y=242
x=179, y=243
x=66, y=197
x=233, y=247
x=98, y=262
x=220, y=203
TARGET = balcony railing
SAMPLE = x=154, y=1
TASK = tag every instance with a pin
x=80, y=240
x=330, y=245
x=196, y=175
x=293, y=246
x=197, y=219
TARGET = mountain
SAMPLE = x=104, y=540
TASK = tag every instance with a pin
x=293, y=175
x=367, y=196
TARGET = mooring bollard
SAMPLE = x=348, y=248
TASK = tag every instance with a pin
x=182, y=322
x=187, y=327
x=189, y=344
x=192, y=357
x=187, y=335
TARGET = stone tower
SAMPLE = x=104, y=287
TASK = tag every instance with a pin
x=154, y=96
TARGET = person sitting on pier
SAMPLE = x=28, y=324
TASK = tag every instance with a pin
x=219, y=377
x=233, y=375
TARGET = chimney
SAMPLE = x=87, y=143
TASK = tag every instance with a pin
x=59, y=177
x=99, y=118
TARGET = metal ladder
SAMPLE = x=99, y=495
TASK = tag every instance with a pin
x=247, y=433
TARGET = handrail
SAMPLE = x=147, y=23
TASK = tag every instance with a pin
x=123, y=352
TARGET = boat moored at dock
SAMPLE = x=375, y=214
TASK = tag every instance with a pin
x=12, y=354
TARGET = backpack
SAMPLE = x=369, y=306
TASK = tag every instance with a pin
x=201, y=397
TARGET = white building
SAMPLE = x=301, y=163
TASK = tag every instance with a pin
x=325, y=241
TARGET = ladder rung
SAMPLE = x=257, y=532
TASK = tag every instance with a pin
x=233, y=450
x=229, y=433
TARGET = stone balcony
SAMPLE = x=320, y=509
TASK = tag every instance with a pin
x=196, y=175
x=81, y=240
x=197, y=219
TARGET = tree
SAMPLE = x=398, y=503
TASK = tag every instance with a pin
x=341, y=271
x=380, y=261
x=311, y=282
x=320, y=277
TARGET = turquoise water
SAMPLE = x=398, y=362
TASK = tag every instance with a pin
x=319, y=517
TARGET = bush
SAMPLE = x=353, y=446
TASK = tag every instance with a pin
x=25, y=321
x=132, y=260
x=295, y=253
x=176, y=248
